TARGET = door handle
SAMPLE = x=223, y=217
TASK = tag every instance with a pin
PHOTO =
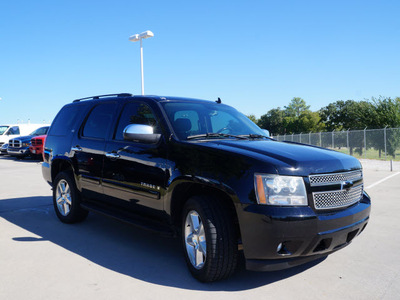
x=112, y=155
x=76, y=149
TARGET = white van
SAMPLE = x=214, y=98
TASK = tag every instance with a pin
x=11, y=131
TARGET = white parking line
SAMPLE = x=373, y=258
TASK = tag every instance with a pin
x=382, y=180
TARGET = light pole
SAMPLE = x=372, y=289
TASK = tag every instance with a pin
x=140, y=37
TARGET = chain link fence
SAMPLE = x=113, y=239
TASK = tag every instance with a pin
x=381, y=144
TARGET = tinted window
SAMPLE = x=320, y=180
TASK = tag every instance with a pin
x=65, y=120
x=193, y=117
x=40, y=131
x=135, y=113
x=13, y=130
x=3, y=129
x=99, y=121
x=207, y=117
x=222, y=121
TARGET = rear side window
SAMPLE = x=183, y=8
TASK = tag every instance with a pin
x=99, y=121
x=65, y=120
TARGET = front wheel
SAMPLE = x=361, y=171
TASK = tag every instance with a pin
x=66, y=199
x=209, y=239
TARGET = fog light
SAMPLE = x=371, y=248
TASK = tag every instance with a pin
x=282, y=251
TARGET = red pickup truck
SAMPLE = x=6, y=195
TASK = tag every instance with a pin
x=37, y=143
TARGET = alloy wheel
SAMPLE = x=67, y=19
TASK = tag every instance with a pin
x=63, y=197
x=195, y=240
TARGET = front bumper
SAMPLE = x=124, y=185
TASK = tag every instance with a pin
x=18, y=151
x=36, y=150
x=276, y=238
x=3, y=149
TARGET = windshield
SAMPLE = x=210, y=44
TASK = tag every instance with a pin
x=40, y=131
x=3, y=129
x=209, y=120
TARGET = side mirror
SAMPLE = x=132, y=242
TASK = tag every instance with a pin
x=266, y=131
x=141, y=133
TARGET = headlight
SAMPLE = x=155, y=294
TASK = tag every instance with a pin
x=26, y=144
x=280, y=190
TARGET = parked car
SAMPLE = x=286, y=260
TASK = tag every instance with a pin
x=10, y=131
x=3, y=149
x=19, y=147
x=37, y=144
x=203, y=171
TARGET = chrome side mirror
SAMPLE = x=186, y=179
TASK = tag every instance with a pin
x=141, y=133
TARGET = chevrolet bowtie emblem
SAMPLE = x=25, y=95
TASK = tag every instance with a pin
x=346, y=185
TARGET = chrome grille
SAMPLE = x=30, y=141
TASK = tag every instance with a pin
x=335, y=178
x=36, y=142
x=338, y=198
x=14, y=143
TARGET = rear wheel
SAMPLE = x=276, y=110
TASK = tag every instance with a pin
x=209, y=239
x=66, y=199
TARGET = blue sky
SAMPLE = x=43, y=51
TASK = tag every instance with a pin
x=254, y=55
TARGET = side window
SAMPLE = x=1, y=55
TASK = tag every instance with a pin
x=42, y=131
x=13, y=130
x=135, y=113
x=99, y=121
x=65, y=120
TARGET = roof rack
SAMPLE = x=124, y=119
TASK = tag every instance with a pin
x=102, y=96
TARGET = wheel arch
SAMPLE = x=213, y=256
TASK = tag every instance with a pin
x=61, y=165
x=184, y=191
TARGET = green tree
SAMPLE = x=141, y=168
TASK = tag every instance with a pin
x=273, y=120
x=309, y=121
x=295, y=118
x=386, y=113
x=343, y=115
x=296, y=107
x=253, y=118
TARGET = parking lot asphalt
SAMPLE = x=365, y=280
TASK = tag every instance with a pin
x=42, y=258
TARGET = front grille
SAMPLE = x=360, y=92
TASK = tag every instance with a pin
x=338, y=198
x=335, y=178
x=36, y=142
x=14, y=143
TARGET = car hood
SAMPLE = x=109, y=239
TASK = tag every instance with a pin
x=41, y=137
x=289, y=158
x=24, y=139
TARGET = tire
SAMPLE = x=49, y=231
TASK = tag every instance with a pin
x=209, y=239
x=66, y=199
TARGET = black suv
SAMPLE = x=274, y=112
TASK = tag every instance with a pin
x=203, y=171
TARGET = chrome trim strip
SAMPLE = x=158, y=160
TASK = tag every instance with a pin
x=334, y=178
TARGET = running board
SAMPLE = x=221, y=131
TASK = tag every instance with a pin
x=132, y=219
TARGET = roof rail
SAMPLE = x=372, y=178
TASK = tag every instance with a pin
x=102, y=96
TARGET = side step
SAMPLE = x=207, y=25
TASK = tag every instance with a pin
x=132, y=219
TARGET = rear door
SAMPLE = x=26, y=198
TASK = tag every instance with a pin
x=88, y=148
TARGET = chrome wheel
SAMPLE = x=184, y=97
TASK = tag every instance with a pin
x=63, y=197
x=195, y=239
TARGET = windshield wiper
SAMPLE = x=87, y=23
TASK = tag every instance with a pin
x=214, y=135
x=255, y=136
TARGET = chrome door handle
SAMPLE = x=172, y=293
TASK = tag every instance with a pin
x=112, y=155
x=76, y=149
